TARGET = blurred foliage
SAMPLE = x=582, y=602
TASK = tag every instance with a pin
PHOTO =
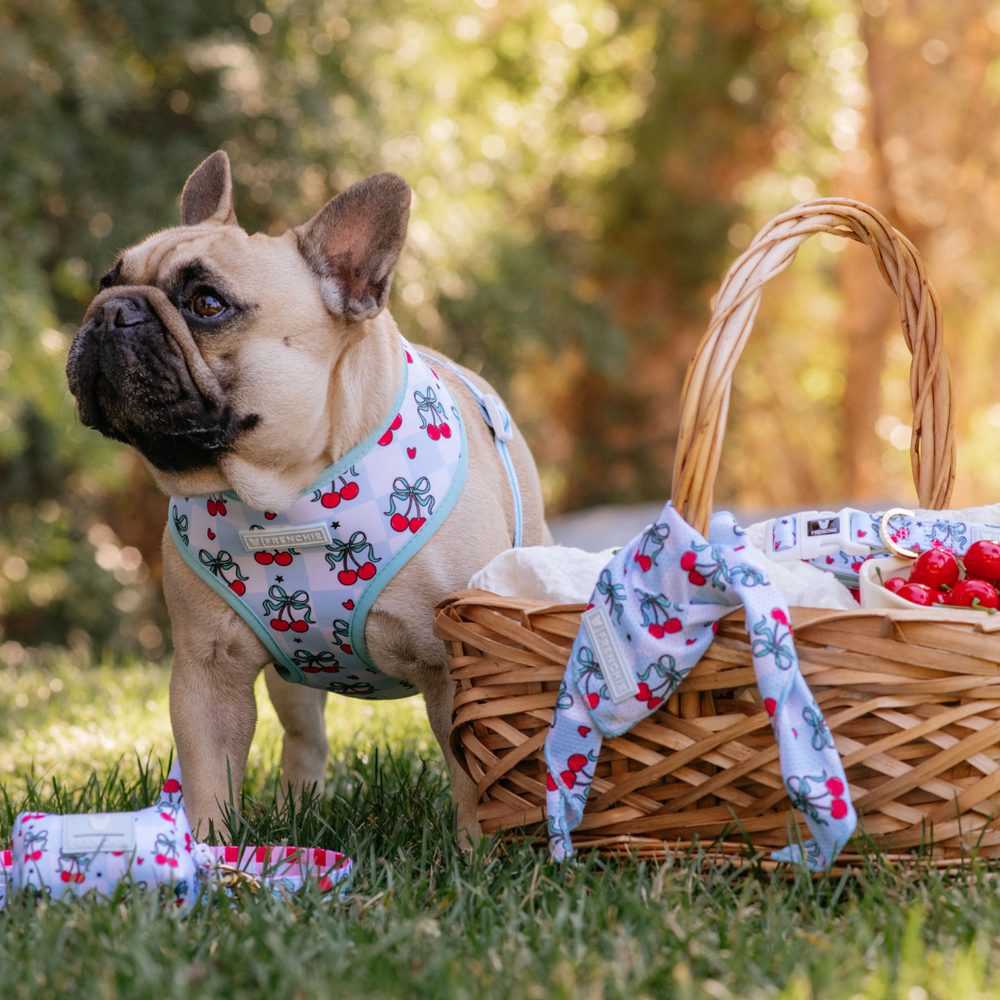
x=583, y=173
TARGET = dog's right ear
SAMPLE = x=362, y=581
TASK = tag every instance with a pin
x=208, y=193
x=353, y=243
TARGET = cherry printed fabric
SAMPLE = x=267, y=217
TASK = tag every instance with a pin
x=379, y=505
x=162, y=856
x=664, y=593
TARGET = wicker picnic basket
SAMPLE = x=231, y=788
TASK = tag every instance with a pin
x=912, y=697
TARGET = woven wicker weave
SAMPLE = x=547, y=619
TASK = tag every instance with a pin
x=912, y=698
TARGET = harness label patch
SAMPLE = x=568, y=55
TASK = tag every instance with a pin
x=82, y=834
x=608, y=653
x=302, y=536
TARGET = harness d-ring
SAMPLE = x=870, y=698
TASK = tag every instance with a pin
x=883, y=529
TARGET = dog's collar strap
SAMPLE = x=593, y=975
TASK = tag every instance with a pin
x=307, y=597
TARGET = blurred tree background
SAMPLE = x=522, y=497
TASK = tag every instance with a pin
x=583, y=174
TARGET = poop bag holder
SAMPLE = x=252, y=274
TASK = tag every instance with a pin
x=70, y=855
x=652, y=617
x=152, y=849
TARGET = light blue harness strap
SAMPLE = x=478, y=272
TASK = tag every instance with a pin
x=498, y=420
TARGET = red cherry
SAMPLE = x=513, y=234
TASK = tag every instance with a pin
x=433, y=432
x=34, y=856
x=367, y=571
x=577, y=762
x=593, y=699
x=278, y=625
x=779, y=616
x=967, y=593
x=838, y=809
x=770, y=705
x=918, y=593
x=644, y=693
x=982, y=561
x=672, y=625
x=895, y=584
x=238, y=587
x=161, y=859
x=653, y=702
x=350, y=491
x=386, y=438
x=171, y=785
x=835, y=786
x=696, y=578
x=65, y=876
x=550, y=783
x=79, y=877
x=347, y=577
x=269, y=515
x=936, y=568
x=347, y=649
x=656, y=631
x=211, y=535
x=211, y=507
x=220, y=507
x=644, y=561
x=170, y=861
x=688, y=560
x=416, y=523
x=299, y=626
x=310, y=670
x=399, y=523
x=397, y=423
x=264, y=558
x=283, y=558
x=569, y=778
x=332, y=499
x=445, y=431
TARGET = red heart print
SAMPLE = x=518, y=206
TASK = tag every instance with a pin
x=411, y=452
x=583, y=730
x=211, y=534
x=861, y=534
x=829, y=560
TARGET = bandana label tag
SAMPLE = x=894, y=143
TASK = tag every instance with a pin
x=621, y=682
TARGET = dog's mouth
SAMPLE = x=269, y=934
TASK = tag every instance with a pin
x=138, y=377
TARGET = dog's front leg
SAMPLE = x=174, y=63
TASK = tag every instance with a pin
x=213, y=712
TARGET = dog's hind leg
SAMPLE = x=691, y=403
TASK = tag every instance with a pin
x=305, y=747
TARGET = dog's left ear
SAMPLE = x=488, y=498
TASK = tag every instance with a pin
x=353, y=244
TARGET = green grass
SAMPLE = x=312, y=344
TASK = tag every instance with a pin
x=420, y=919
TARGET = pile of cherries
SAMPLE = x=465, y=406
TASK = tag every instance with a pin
x=934, y=578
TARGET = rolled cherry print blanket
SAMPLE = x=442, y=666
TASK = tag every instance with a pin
x=652, y=617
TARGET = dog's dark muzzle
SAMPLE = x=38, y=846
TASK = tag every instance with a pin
x=138, y=377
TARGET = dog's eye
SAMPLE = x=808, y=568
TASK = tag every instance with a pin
x=206, y=304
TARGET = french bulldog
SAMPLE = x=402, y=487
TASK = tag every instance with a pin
x=251, y=363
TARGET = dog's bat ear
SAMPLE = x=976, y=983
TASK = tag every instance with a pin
x=353, y=244
x=208, y=193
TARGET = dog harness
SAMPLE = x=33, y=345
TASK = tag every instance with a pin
x=304, y=580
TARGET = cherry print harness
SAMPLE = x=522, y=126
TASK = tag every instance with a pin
x=304, y=580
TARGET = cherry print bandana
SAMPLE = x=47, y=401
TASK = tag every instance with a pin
x=305, y=583
x=663, y=593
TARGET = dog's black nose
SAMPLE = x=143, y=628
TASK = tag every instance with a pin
x=124, y=312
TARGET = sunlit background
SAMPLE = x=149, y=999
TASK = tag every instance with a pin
x=583, y=174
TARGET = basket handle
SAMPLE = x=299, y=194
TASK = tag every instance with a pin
x=708, y=383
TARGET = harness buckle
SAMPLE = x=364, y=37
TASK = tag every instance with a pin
x=810, y=534
x=499, y=418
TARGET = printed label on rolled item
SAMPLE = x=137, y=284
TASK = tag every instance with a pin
x=303, y=536
x=610, y=658
x=98, y=832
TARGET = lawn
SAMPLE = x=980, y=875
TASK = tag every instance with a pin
x=420, y=919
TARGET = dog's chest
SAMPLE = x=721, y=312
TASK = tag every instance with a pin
x=305, y=579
